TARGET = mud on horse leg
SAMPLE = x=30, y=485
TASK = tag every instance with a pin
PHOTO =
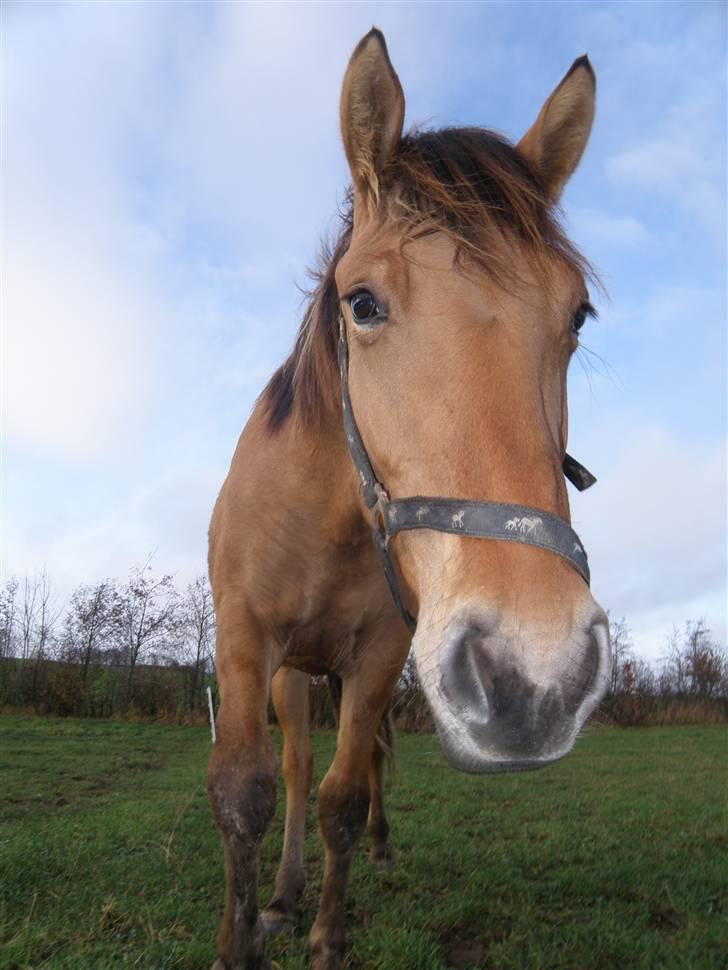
x=242, y=777
x=380, y=852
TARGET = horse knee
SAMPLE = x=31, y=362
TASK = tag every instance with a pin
x=243, y=801
x=343, y=815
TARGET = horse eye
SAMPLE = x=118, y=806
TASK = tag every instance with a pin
x=364, y=308
x=579, y=318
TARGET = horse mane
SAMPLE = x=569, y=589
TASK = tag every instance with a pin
x=470, y=183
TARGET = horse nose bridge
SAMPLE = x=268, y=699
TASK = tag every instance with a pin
x=451, y=574
x=518, y=460
x=543, y=486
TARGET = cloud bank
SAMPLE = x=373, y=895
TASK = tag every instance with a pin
x=167, y=173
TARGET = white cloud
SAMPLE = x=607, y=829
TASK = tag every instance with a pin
x=157, y=164
x=77, y=338
x=655, y=528
x=657, y=163
x=162, y=509
x=167, y=172
x=667, y=312
x=681, y=156
x=80, y=311
x=594, y=226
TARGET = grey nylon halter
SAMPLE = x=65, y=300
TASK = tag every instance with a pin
x=483, y=520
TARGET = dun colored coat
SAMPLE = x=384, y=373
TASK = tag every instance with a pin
x=461, y=300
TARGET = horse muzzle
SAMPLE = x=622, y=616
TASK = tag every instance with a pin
x=498, y=705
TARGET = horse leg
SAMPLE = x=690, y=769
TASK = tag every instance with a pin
x=291, y=703
x=344, y=804
x=241, y=784
x=380, y=851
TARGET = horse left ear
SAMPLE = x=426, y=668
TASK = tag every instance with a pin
x=554, y=144
x=372, y=113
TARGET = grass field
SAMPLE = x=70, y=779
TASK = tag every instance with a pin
x=614, y=858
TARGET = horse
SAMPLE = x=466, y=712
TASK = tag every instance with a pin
x=403, y=473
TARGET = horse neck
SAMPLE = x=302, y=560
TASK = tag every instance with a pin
x=319, y=478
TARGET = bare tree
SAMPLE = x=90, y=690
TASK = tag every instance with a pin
x=8, y=618
x=47, y=614
x=622, y=653
x=695, y=664
x=198, y=632
x=8, y=629
x=37, y=617
x=92, y=613
x=704, y=660
x=636, y=676
x=145, y=616
x=673, y=677
x=28, y=616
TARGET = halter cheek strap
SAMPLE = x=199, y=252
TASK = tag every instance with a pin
x=483, y=520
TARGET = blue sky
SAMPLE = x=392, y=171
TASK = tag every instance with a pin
x=168, y=172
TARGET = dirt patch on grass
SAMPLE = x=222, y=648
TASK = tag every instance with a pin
x=465, y=953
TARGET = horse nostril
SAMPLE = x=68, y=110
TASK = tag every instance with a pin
x=583, y=677
x=467, y=676
x=485, y=693
x=457, y=682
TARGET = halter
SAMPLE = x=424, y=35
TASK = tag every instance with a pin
x=482, y=520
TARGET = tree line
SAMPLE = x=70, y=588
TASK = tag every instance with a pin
x=689, y=684
x=140, y=646
x=144, y=647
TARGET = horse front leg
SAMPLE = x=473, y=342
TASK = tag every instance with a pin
x=380, y=851
x=291, y=702
x=242, y=777
x=344, y=797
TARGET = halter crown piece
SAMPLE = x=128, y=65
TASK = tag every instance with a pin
x=483, y=520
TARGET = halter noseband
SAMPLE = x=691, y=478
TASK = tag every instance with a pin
x=483, y=520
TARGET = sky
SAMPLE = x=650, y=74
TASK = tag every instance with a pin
x=168, y=172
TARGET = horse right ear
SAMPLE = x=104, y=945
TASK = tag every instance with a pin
x=555, y=142
x=372, y=114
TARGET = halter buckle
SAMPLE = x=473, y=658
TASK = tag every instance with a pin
x=380, y=514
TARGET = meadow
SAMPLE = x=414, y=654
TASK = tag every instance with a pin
x=615, y=857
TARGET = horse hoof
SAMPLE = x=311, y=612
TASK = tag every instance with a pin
x=276, y=923
x=262, y=964
x=326, y=958
x=383, y=857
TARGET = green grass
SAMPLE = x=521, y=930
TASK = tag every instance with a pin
x=614, y=858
